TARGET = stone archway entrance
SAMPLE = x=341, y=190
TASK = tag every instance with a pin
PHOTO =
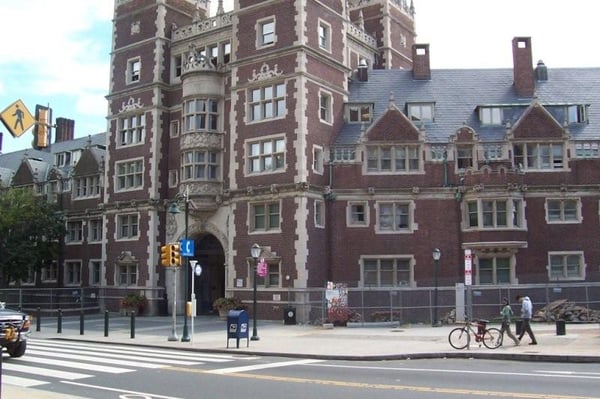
x=211, y=283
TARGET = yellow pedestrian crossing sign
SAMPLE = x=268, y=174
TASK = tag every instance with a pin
x=17, y=118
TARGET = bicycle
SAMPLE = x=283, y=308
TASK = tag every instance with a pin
x=460, y=337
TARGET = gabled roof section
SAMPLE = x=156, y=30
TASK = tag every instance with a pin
x=537, y=123
x=392, y=125
x=89, y=162
x=31, y=171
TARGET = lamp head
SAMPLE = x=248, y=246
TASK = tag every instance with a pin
x=436, y=254
x=255, y=250
x=174, y=208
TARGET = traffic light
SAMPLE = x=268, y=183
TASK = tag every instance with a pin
x=175, y=255
x=165, y=254
x=41, y=129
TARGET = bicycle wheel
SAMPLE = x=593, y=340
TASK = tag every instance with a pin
x=459, y=338
x=492, y=338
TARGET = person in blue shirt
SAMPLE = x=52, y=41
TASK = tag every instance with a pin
x=526, y=314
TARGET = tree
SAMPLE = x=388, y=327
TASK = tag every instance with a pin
x=31, y=232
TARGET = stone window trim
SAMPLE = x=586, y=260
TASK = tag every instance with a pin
x=385, y=271
x=127, y=226
x=566, y=265
x=324, y=35
x=266, y=29
x=264, y=217
x=265, y=155
x=395, y=217
x=134, y=70
x=357, y=214
x=563, y=210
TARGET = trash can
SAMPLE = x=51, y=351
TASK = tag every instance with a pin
x=560, y=327
x=237, y=326
x=518, y=327
x=289, y=316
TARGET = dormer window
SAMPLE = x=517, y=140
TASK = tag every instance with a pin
x=420, y=112
x=490, y=116
x=358, y=113
x=577, y=114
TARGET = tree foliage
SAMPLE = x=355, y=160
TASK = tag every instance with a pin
x=31, y=232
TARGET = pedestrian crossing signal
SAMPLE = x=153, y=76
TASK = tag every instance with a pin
x=175, y=255
x=165, y=254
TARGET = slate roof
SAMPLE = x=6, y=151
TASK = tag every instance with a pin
x=44, y=160
x=458, y=92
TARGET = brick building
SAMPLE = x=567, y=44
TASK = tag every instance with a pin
x=318, y=130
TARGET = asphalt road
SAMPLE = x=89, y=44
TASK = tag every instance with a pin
x=106, y=371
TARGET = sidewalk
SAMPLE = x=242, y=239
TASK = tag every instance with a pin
x=581, y=343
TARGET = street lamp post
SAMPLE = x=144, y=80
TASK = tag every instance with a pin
x=255, y=251
x=186, y=336
x=436, y=254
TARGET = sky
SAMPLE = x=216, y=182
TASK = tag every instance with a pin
x=57, y=52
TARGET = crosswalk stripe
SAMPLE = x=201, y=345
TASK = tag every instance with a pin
x=22, y=382
x=133, y=350
x=64, y=375
x=96, y=359
x=90, y=352
x=75, y=365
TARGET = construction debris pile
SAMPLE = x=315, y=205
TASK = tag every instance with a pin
x=567, y=311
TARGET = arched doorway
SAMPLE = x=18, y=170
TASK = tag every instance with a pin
x=211, y=283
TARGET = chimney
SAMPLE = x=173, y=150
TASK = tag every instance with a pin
x=420, y=56
x=541, y=72
x=65, y=130
x=363, y=68
x=524, y=77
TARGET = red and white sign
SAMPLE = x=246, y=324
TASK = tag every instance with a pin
x=468, y=267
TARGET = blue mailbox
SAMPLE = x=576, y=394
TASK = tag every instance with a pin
x=237, y=326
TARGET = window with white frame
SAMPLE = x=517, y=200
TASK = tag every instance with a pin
x=95, y=230
x=199, y=165
x=490, y=115
x=134, y=67
x=359, y=113
x=421, y=112
x=464, y=156
x=95, y=272
x=388, y=272
x=319, y=213
x=266, y=155
x=394, y=217
x=226, y=52
x=86, y=187
x=439, y=153
x=178, y=62
x=131, y=130
x=566, y=266
x=504, y=213
x=587, y=150
x=563, y=210
x=127, y=274
x=50, y=273
x=74, y=231
x=130, y=175
x=266, y=102
x=62, y=159
x=72, y=273
x=173, y=178
x=324, y=35
x=576, y=114
x=344, y=154
x=540, y=156
x=174, y=129
x=266, y=32
x=400, y=158
x=356, y=214
x=265, y=217
x=493, y=152
x=325, y=107
x=201, y=115
x=127, y=226
x=318, y=159
x=494, y=270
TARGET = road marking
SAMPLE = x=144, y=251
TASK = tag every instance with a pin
x=75, y=365
x=150, y=395
x=96, y=359
x=254, y=367
x=65, y=375
x=22, y=382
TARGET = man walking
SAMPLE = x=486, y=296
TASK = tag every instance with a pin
x=526, y=313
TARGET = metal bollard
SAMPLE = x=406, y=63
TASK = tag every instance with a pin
x=106, y=323
x=59, y=324
x=132, y=324
x=38, y=319
x=81, y=323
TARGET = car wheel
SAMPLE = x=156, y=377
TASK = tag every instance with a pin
x=17, y=349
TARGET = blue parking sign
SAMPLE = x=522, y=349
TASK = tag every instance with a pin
x=186, y=247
